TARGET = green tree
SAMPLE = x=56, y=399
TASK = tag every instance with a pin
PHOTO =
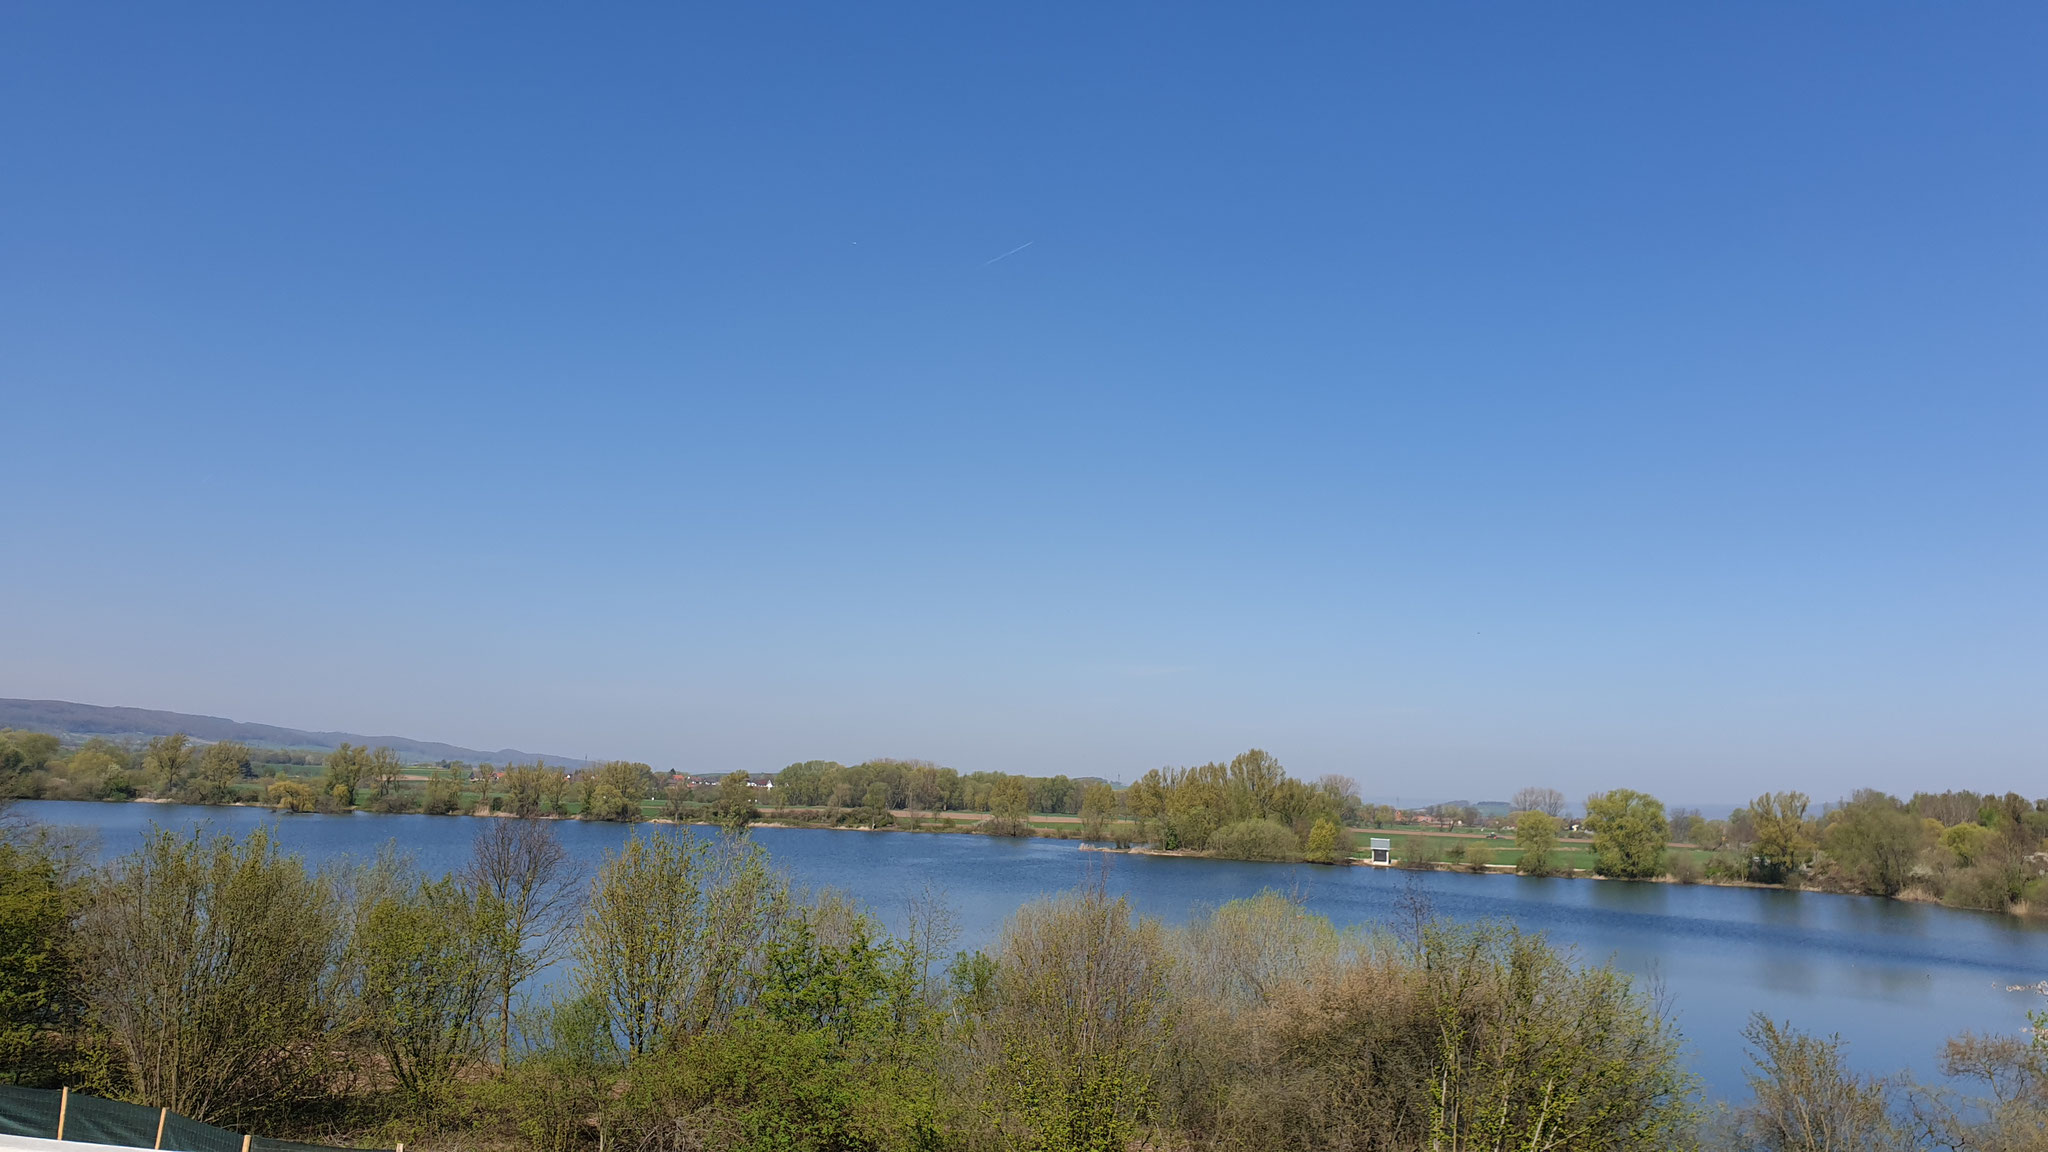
x=554, y=788
x=383, y=768
x=877, y=797
x=522, y=784
x=345, y=768
x=166, y=762
x=29, y=751
x=633, y=781
x=673, y=937
x=422, y=955
x=1254, y=778
x=1536, y=836
x=1628, y=833
x=222, y=765
x=1098, y=807
x=1967, y=842
x=442, y=795
x=212, y=965
x=1322, y=843
x=1782, y=846
x=1877, y=842
x=1147, y=800
x=291, y=796
x=38, y=980
x=734, y=808
x=928, y=787
x=100, y=768
x=1009, y=808
x=603, y=802
x=1079, y=1006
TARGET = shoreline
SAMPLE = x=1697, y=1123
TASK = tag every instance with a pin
x=967, y=824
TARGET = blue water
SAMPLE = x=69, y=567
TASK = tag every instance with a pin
x=1893, y=979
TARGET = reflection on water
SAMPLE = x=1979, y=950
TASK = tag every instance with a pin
x=1893, y=979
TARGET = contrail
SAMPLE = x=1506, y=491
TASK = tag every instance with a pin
x=1010, y=253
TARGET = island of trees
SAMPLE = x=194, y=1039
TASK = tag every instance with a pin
x=1966, y=849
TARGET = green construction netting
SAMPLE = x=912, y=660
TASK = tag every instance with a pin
x=192, y=1136
x=27, y=1112
x=34, y=1111
x=97, y=1121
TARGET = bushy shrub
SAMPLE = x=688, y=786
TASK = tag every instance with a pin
x=1684, y=867
x=1295, y=1036
x=1255, y=840
x=1728, y=864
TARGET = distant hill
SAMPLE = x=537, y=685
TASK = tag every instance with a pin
x=68, y=719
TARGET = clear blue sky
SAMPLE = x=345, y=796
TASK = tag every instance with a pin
x=1457, y=397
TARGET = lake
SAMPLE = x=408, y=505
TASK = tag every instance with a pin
x=1893, y=979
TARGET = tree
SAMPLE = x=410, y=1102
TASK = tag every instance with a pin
x=633, y=780
x=1808, y=1100
x=1782, y=847
x=100, y=768
x=1967, y=841
x=212, y=965
x=1009, y=803
x=384, y=768
x=877, y=797
x=554, y=788
x=38, y=978
x=734, y=808
x=292, y=796
x=927, y=788
x=1877, y=842
x=1548, y=801
x=674, y=935
x=603, y=802
x=522, y=784
x=1342, y=793
x=1254, y=778
x=442, y=795
x=1147, y=799
x=1628, y=833
x=423, y=958
x=1322, y=843
x=1536, y=837
x=1080, y=1006
x=1687, y=825
x=27, y=751
x=524, y=871
x=222, y=765
x=345, y=766
x=166, y=761
x=1098, y=807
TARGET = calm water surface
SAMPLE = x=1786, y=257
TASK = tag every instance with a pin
x=1893, y=979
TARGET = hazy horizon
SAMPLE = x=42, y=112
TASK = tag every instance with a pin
x=1573, y=397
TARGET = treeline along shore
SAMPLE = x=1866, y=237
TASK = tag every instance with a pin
x=1983, y=851
x=697, y=1000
